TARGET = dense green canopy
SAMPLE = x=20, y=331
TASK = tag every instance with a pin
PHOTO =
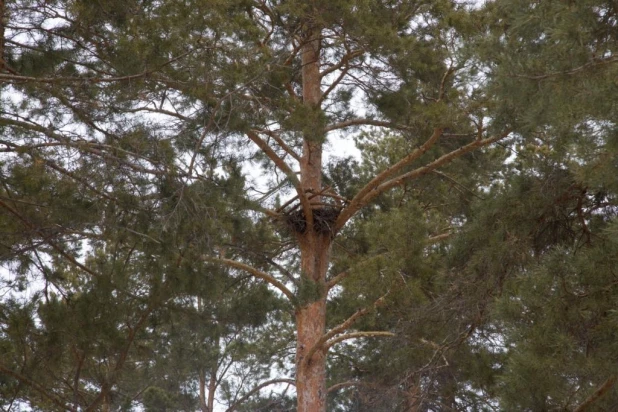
x=155, y=209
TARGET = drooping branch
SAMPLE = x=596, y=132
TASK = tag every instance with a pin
x=37, y=387
x=346, y=384
x=93, y=79
x=257, y=389
x=369, y=191
x=321, y=343
x=253, y=272
x=94, y=148
x=47, y=239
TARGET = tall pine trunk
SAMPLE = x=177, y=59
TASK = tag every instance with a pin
x=314, y=246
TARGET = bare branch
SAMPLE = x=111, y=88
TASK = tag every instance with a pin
x=256, y=389
x=370, y=190
x=438, y=238
x=343, y=62
x=254, y=272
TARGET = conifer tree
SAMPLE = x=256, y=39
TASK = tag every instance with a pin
x=127, y=129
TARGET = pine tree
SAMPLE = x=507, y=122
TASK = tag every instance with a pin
x=127, y=128
x=555, y=314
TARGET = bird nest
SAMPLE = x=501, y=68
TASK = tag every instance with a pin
x=323, y=220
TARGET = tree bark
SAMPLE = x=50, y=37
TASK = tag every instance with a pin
x=314, y=246
x=2, y=23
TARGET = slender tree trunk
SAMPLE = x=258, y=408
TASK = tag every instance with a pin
x=212, y=389
x=314, y=246
x=203, y=405
x=2, y=24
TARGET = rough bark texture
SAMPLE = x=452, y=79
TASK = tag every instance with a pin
x=314, y=246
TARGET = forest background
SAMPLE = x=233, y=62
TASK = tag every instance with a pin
x=176, y=235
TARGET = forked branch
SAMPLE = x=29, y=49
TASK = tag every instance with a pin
x=447, y=158
x=369, y=191
x=342, y=327
x=385, y=180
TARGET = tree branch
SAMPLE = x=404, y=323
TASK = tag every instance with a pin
x=320, y=344
x=602, y=390
x=281, y=143
x=47, y=239
x=256, y=389
x=346, y=384
x=364, y=122
x=254, y=272
x=369, y=191
x=283, y=166
x=431, y=166
x=36, y=387
x=355, y=335
x=122, y=357
x=335, y=280
x=365, y=196
x=343, y=62
x=571, y=72
x=438, y=238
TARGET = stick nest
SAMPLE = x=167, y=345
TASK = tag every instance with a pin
x=323, y=220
